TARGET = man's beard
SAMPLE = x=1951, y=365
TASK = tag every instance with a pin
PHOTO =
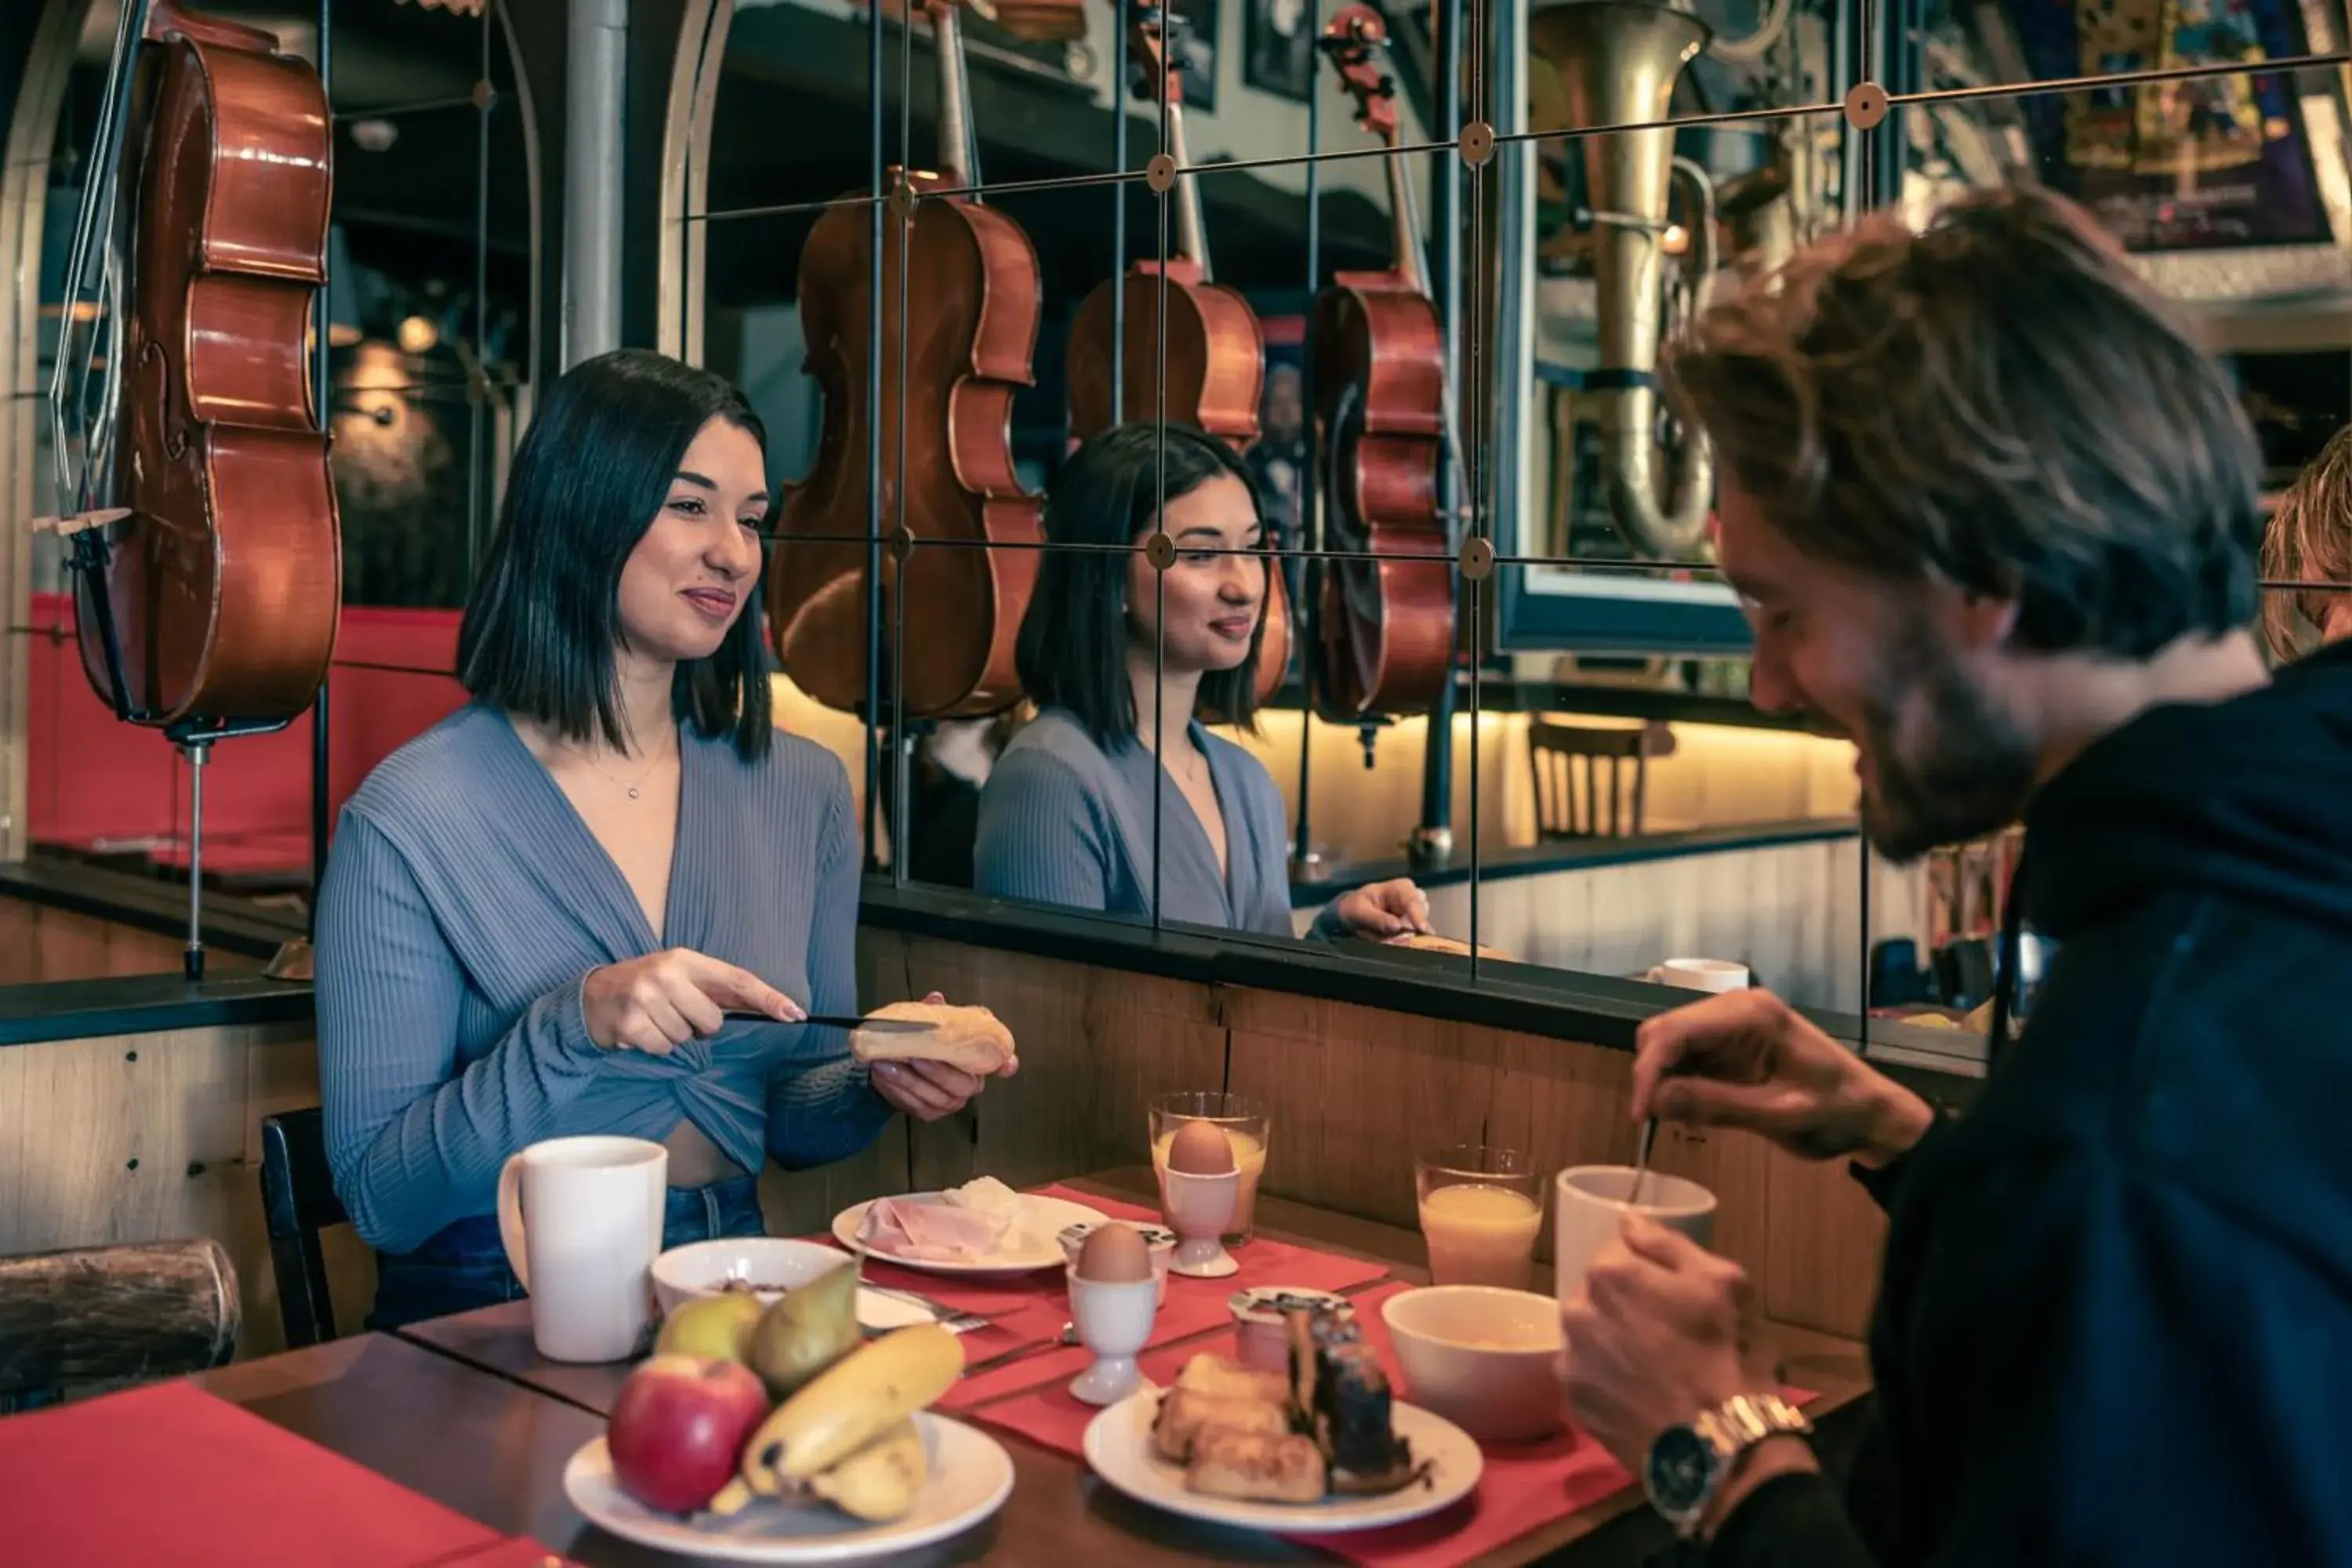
x=1974, y=770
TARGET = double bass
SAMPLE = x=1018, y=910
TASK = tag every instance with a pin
x=1382, y=399
x=206, y=550
x=1215, y=365
x=972, y=275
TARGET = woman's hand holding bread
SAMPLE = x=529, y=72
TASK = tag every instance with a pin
x=936, y=1072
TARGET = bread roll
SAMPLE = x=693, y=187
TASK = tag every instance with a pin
x=973, y=1038
x=1430, y=941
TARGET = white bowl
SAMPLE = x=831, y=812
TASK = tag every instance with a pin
x=703, y=1267
x=1487, y=1360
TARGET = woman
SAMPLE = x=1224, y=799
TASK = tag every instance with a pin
x=1067, y=815
x=2310, y=541
x=537, y=910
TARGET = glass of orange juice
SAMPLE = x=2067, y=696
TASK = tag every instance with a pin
x=1244, y=1123
x=1480, y=1209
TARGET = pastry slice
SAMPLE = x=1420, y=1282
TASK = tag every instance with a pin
x=1185, y=1413
x=1255, y=1467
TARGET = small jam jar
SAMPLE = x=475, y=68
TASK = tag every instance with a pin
x=1260, y=1331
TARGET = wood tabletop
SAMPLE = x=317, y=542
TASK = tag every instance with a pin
x=464, y=1410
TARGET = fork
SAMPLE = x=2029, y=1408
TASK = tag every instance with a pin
x=949, y=1317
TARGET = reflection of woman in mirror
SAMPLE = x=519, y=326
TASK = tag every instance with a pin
x=1066, y=818
x=2310, y=541
x=537, y=911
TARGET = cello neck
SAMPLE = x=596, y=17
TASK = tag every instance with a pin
x=1191, y=232
x=1404, y=221
x=959, y=159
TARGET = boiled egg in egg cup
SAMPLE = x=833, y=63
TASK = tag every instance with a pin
x=1204, y=1187
x=1113, y=1298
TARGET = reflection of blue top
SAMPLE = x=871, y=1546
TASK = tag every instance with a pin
x=1065, y=822
x=463, y=908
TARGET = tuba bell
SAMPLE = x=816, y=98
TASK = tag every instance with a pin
x=1618, y=61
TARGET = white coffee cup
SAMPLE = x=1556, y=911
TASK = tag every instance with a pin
x=1590, y=1209
x=582, y=1220
x=1701, y=974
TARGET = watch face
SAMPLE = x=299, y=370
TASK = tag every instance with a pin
x=1680, y=1470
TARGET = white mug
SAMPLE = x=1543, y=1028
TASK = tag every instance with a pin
x=582, y=1220
x=1701, y=974
x=1590, y=1209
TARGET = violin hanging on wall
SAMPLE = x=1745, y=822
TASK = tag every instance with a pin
x=972, y=274
x=1383, y=401
x=207, y=555
x=1214, y=373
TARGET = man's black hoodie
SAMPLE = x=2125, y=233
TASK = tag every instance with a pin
x=2115, y=1323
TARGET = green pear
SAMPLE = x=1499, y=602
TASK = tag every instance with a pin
x=807, y=1331
x=711, y=1327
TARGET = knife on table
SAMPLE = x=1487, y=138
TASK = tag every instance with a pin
x=837, y=1021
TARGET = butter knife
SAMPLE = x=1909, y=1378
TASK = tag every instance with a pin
x=839, y=1021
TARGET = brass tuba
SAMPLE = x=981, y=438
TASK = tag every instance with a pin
x=1618, y=61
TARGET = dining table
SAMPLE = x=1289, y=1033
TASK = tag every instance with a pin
x=464, y=1410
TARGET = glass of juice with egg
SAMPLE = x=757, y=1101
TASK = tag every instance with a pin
x=1244, y=1123
x=1480, y=1210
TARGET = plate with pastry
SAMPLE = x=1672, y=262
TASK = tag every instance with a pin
x=1320, y=1450
x=980, y=1228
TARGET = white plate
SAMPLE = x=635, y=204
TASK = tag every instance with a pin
x=1118, y=1447
x=702, y=1268
x=1033, y=1242
x=971, y=1476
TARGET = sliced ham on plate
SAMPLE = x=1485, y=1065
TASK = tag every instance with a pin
x=937, y=1232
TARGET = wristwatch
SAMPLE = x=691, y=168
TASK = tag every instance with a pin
x=1688, y=1464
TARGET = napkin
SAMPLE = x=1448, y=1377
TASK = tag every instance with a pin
x=171, y=1473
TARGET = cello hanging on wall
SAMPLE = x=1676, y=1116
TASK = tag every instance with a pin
x=973, y=274
x=1382, y=399
x=204, y=541
x=1213, y=373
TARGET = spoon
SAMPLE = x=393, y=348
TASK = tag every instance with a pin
x=1642, y=1161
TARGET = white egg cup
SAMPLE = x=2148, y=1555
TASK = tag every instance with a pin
x=1114, y=1321
x=1199, y=1210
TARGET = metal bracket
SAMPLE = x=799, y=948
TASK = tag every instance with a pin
x=1476, y=560
x=1160, y=174
x=1478, y=144
x=1865, y=106
x=1159, y=550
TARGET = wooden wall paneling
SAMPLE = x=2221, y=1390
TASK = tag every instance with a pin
x=1825, y=1237
x=153, y=1137
x=1356, y=1095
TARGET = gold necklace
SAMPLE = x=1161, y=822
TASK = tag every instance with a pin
x=627, y=788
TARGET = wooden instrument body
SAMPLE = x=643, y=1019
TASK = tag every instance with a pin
x=972, y=288
x=1216, y=355
x=1388, y=634
x=1379, y=380
x=225, y=585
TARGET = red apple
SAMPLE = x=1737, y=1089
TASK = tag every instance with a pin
x=678, y=1427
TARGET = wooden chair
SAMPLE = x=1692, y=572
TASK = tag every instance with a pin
x=297, y=1202
x=90, y=1320
x=1565, y=811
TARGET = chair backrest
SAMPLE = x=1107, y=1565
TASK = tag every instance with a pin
x=89, y=1320
x=297, y=1202
x=1598, y=809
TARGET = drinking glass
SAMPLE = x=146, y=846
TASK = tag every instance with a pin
x=1246, y=1124
x=1480, y=1209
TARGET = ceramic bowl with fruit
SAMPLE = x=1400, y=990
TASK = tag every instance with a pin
x=1483, y=1358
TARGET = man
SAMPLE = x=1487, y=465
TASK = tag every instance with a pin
x=1994, y=518
x=2310, y=541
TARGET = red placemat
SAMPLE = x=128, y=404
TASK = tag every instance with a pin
x=1522, y=1486
x=1193, y=1306
x=171, y=1473
x=515, y=1553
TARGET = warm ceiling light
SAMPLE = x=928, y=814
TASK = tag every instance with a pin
x=374, y=135
x=461, y=7
x=417, y=334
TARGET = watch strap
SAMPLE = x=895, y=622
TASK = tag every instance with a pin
x=1731, y=1429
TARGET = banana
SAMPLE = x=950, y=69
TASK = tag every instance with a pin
x=850, y=1403
x=879, y=1482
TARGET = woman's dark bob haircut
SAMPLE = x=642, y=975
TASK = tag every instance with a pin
x=591, y=475
x=1074, y=639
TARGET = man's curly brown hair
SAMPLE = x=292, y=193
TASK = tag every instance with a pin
x=2310, y=541
x=1998, y=399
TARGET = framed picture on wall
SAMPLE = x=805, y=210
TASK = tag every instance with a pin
x=1278, y=48
x=1201, y=31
